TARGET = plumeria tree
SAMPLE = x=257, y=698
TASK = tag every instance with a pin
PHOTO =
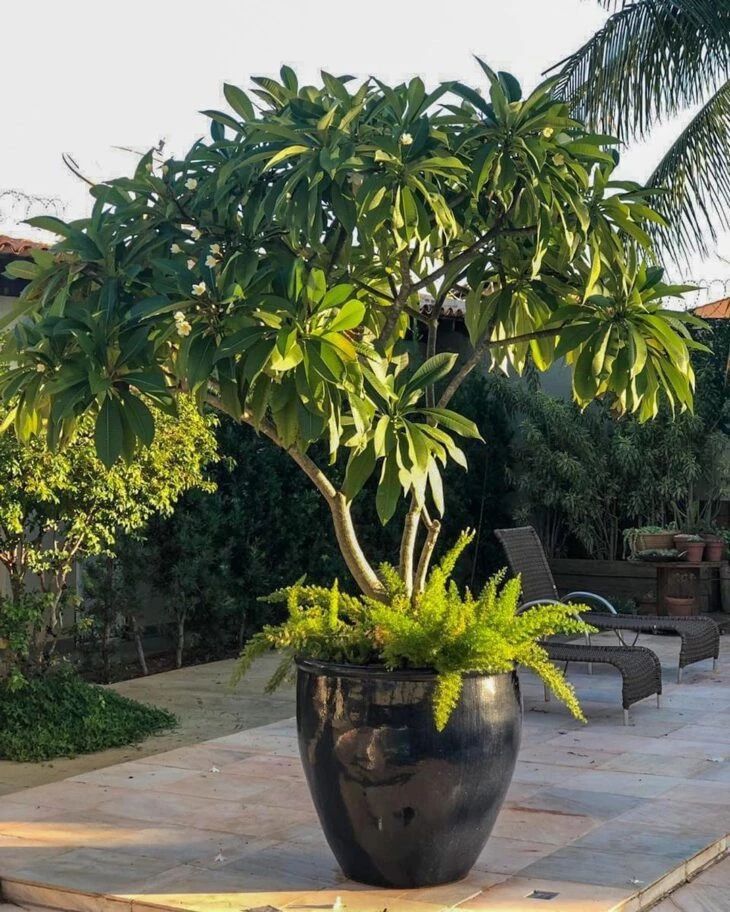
x=278, y=271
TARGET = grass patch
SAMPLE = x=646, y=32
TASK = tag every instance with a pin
x=60, y=715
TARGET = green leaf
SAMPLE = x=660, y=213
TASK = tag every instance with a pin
x=350, y=316
x=360, y=467
x=389, y=490
x=109, y=431
x=239, y=101
x=139, y=418
x=454, y=422
x=288, y=152
x=430, y=372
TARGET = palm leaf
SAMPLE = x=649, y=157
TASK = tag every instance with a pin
x=651, y=59
x=695, y=175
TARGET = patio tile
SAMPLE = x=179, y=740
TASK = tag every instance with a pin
x=597, y=805
x=614, y=837
x=512, y=896
x=639, y=785
x=578, y=864
x=654, y=764
x=554, y=828
x=695, y=898
x=93, y=870
x=503, y=855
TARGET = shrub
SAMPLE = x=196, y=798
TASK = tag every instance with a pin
x=59, y=715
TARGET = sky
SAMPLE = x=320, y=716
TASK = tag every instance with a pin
x=86, y=78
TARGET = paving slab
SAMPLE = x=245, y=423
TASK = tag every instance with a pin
x=599, y=818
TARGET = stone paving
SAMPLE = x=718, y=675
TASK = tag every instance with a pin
x=604, y=816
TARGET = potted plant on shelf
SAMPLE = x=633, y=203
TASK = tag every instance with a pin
x=714, y=546
x=275, y=273
x=691, y=547
x=647, y=538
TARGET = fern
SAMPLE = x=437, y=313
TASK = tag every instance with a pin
x=451, y=632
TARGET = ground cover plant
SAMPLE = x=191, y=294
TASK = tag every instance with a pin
x=59, y=715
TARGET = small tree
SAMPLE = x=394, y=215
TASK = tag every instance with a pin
x=59, y=507
x=277, y=272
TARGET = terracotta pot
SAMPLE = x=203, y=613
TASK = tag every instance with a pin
x=714, y=549
x=680, y=607
x=691, y=550
x=654, y=541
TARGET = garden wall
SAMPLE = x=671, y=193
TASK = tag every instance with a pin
x=627, y=580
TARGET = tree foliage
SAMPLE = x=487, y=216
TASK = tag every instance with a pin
x=651, y=60
x=57, y=507
x=275, y=272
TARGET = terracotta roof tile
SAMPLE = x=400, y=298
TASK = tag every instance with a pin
x=19, y=246
x=717, y=310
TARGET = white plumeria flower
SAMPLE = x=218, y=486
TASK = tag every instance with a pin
x=191, y=183
x=183, y=328
x=192, y=263
x=179, y=316
x=196, y=234
x=215, y=249
x=211, y=261
x=548, y=132
x=175, y=248
x=406, y=139
x=40, y=367
x=200, y=289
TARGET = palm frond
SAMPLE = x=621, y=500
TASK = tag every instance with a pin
x=651, y=59
x=695, y=175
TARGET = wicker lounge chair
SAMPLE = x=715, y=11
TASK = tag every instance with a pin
x=639, y=667
x=700, y=637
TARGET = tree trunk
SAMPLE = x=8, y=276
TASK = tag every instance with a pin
x=139, y=646
x=180, y=639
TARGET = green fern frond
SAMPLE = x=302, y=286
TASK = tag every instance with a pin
x=442, y=629
x=445, y=697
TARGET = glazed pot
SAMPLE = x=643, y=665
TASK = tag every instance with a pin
x=680, y=607
x=402, y=804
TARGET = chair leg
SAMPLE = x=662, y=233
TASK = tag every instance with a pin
x=658, y=701
x=679, y=674
x=714, y=664
x=626, y=717
x=590, y=664
x=547, y=693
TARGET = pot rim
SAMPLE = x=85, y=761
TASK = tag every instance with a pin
x=345, y=670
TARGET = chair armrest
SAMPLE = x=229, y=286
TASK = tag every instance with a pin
x=591, y=596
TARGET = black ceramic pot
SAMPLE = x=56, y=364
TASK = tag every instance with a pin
x=401, y=804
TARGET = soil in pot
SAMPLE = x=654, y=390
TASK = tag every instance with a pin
x=402, y=804
x=680, y=607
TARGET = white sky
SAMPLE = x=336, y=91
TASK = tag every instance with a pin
x=82, y=77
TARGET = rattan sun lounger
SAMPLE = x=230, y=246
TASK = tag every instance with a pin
x=641, y=671
x=700, y=637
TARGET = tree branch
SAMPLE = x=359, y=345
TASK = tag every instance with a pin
x=408, y=544
x=357, y=563
x=484, y=345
